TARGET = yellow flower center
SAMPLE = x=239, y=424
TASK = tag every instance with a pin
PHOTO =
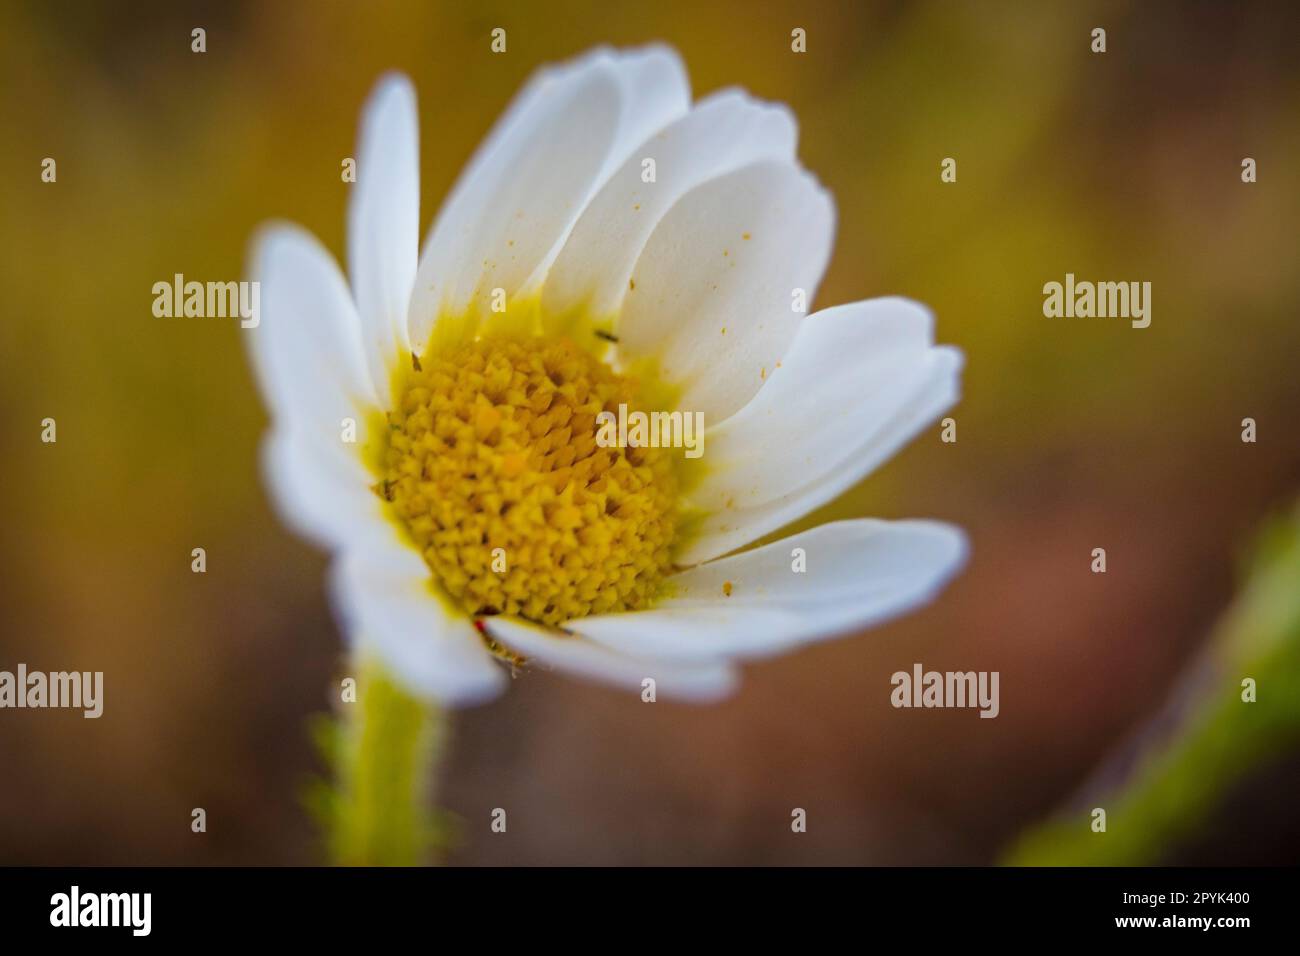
x=493, y=466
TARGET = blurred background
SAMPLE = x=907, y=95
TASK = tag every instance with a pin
x=1072, y=434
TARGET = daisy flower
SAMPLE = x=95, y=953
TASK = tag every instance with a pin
x=435, y=420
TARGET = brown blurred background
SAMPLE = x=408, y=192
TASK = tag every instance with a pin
x=1073, y=434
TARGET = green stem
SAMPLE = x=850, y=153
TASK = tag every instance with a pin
x=1176, y=785
x=381, y=814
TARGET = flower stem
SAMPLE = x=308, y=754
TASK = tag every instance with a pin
x=386, y=756
x=1178, y=781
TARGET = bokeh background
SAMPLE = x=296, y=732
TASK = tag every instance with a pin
x=1071, y=434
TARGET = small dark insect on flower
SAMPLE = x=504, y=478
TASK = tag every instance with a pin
x=607, y=336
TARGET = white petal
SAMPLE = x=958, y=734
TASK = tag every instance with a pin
x=388, y=606
x=859, y=573
x=722, y=133
x=306, y=348
x=724, y=530
x=848, y=373
x=727, y=256
x=699, y=680
x=656, y=91
x=384, y=224
x=514, y=205
x=323, y=493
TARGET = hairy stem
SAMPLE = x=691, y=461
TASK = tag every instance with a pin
x=386, y=755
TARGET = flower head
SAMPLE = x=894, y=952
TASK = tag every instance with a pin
x=445, y=424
